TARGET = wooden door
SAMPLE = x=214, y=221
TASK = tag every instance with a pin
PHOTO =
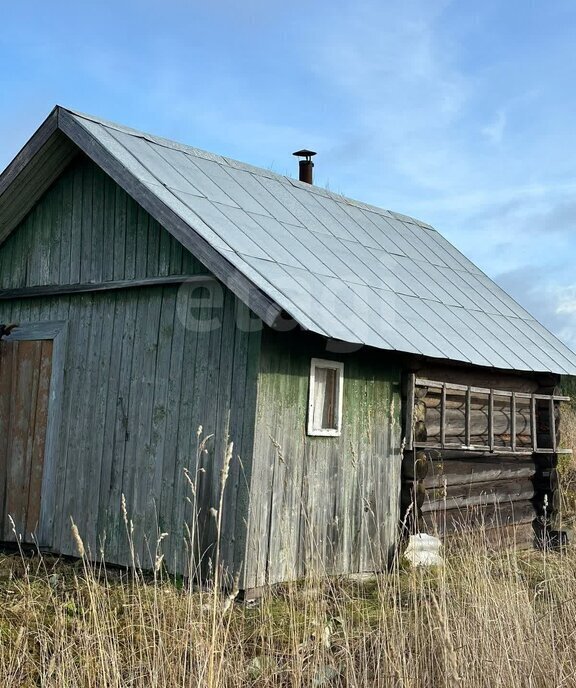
x=25, y=372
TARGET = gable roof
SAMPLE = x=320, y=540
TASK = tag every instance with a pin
x=340, y=268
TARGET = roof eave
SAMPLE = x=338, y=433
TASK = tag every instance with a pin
x=50, y=150
x=240, y=285
x=34, y=169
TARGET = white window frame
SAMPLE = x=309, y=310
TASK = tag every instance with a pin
x=334, y=365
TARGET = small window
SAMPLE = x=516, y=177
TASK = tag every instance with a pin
x=326, y=390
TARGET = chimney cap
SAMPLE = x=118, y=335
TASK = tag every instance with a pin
x=304, y=153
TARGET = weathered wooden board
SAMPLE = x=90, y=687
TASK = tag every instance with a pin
x=25, y=373
x=479, y=494
x=517, y=536
x=465, y=472
x=489, y=516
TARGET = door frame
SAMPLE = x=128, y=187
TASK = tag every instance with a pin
x=57, y=331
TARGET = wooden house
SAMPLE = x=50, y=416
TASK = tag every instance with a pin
x=364, y=369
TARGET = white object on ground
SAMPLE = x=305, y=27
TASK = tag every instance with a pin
x=423, y=550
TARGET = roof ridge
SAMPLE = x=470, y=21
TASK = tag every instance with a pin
x=253, y=169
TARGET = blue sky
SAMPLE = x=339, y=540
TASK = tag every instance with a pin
x=459, y=113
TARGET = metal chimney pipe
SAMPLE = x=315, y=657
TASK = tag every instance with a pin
x=306, y=166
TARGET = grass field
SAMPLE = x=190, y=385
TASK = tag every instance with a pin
x=486, y=618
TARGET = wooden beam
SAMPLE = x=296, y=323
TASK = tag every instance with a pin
x=32, y=172
x=533, y=424
x=491, y=420
x=485, y=448
x=89, y=287
x=552, y=424
x=443, y=417
x=420, y=382
x=513, y=421
x=40, y=137
x=410, y=412
x=467, y=415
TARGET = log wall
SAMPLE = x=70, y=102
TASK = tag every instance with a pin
x=443, y=496
x=515, y=491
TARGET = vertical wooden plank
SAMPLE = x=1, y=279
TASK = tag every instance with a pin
x=56, y=235
x=86, y=222
x=141, y=242
x=467, y=415
x=6, y=367
x=111, y=375
x=173, y=408
x=98, y=250
x=116, y=542
x=161, y=431
x=108, y=233
x=145, y=438
x=443, y=417
x=11, y=480
x=76, y=226
x=533, y=423
x=52, y=473
x=513, y=421
x=88, y=440
x=491, y=420
x=131, y=239
x=39, y=437
x=22, y=412
x=120, y=234
x=77, y=422
x=552, y=424
x=410, y=400
x=66, y=236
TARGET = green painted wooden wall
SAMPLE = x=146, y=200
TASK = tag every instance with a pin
x=139, y=378
x=325, y=504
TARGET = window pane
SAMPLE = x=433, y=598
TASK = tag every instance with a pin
x=325, y=398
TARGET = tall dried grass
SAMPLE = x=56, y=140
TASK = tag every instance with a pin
x=489, y=617
x=486, y=618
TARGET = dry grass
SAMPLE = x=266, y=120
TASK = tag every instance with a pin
x=486, y=619
x=489, y=617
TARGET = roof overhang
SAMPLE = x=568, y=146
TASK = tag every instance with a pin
x=56, y=143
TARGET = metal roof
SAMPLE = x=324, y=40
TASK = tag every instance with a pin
x=341, y=268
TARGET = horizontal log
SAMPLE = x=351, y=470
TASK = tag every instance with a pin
x=476, y=494
x=490, y=516
x=480, y=379
x=543, y=461
x=479, y=426
x=500, y=389
x=471, y=455
x=517, y=535
x=466, y=472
